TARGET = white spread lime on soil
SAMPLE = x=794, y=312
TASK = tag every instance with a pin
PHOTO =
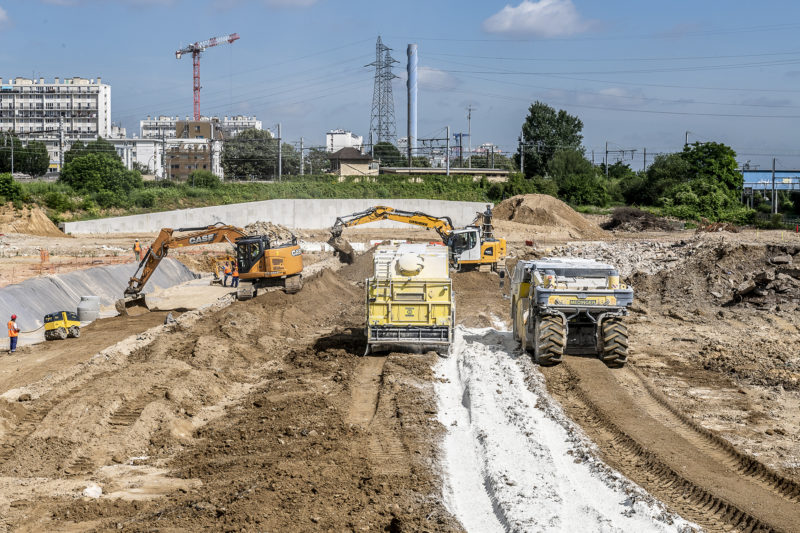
x=512, y=461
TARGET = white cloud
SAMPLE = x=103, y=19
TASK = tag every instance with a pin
x=3, y=17
x=542, y=18
x=435, y=79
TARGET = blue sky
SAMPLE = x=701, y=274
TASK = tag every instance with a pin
x=639, y=74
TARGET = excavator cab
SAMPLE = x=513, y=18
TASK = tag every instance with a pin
x=465, y=245
x=250, y=250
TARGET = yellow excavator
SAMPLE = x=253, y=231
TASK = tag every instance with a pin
x=262, y=260
x=473, y=246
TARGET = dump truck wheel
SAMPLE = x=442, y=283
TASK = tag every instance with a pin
x=74, y=332
x=514, y=327
x=551, y=340
x=60, y=333
x=614, y=335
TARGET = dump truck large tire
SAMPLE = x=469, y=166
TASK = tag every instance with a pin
x=550, y=340
x=60, y=333
x=514, y=320
x=74, y=332
x=614, y=336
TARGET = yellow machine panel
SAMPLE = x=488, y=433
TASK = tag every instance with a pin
x=410, y=297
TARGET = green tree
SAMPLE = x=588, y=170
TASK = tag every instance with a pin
x=577, y=179
x=317, y=161
x=252, y=154
x=388, y=154
x=290, y=160
x=203, y=178
x=420, y=162
x=95, y=172
x=500, y=161
x=35, y=159
x=10, y=190
x=714, y=163
x=98, y=146
x=651, y=187
x=545, y=132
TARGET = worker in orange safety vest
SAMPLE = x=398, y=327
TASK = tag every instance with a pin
x=137, y=250
x=227, y=272
x=13, y=333
x=235, y=274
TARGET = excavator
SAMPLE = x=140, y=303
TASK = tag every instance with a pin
x=471, y=247
x=262, y=260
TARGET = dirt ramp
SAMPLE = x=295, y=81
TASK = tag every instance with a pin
x=543, y=215
x=30, y=221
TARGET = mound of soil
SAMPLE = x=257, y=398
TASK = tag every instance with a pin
x=262, y=228
x=543, y=214
x=28, y=221
x=633, y=219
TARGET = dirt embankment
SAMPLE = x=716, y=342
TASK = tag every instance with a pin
x=32, y=221
x=542, y=217
x=261, y=416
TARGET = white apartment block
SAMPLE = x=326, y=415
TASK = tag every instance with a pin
x=335, y=140
x=58, y=112
x=163, y=127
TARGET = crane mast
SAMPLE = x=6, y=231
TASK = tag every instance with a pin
x=195, y=49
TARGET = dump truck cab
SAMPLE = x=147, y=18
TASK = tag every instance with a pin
x=572, y=306
x=409, y=299
x=60, y=325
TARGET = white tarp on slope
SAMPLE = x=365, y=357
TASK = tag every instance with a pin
x=36, y=297
x=513, y=461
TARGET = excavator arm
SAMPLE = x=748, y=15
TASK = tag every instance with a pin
x=442, y=225
x=160, y=247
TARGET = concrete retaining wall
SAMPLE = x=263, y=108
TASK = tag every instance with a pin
x=300, y=214
x=36, y=297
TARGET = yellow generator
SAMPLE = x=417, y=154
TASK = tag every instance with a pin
x=60, y=325
x=410, y=301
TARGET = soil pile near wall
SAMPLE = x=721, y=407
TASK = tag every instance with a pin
x=266, y=228
x=28, y=221
x=540, y=214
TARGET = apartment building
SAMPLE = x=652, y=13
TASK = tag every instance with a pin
x=164, y=127
x=58, y=112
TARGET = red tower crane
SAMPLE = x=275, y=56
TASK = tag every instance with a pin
x=195, y=49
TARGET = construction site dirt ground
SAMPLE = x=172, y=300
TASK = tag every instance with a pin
x=263, y=415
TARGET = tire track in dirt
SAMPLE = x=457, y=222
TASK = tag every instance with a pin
x=688, y=467
x=365, y=391
x=376, y=411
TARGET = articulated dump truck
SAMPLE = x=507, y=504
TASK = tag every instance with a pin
x=572, y=306
x=410, y=302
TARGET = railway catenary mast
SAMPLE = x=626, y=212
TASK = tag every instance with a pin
x=195, y=50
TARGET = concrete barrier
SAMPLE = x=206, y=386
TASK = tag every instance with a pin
x=35, y=297
x=297, y=214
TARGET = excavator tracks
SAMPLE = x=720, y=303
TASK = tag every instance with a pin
x=692, y=469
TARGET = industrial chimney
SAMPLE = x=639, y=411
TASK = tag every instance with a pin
x=412, y=100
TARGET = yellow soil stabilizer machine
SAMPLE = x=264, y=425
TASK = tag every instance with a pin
x=410, y=304
x=60, y=325
x=573, y=306
x=471, y=247
x=263, y=261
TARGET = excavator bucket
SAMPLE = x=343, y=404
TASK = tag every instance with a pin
x=343, y=248
x=132, y=305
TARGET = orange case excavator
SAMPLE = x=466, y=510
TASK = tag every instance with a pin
x=262, y=260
